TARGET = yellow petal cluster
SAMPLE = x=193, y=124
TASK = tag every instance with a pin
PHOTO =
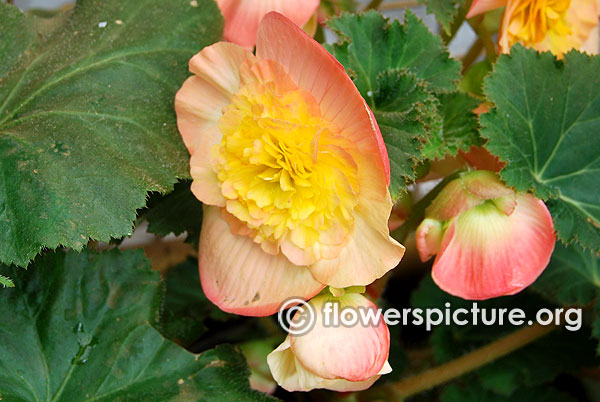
x=285, y=172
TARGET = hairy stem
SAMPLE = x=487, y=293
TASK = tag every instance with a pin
x=484, y=35
x=472, y=55
x=395, y=5
x=469, y=362
x=373, y=5
x=418, y=210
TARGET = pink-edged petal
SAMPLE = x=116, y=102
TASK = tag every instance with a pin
x=482, y=6
x=428, y=238
x=353, y=353
x=486, y=253
x=239, y=277
x=199, y=105
x=320, y=74
x=242, y=17
x=369, y=254
x=292, y=376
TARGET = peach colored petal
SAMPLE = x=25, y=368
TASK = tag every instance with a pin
x=354, y=353
x=320, y=74
x=292, y=376
x=489, y=254
x=239, y=277
x=198, y=105
x=482, y=6
x=369, y=254
x=428, y=238
x=242, y=17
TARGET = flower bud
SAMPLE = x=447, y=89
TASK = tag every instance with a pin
x=490, y=241
x=333, y=354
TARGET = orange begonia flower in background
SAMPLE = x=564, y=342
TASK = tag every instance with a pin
x=243, y=16
x=490, y=241
x=336, y=357
x=291, y=166
x=545, y=25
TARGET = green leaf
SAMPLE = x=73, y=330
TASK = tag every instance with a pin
x=177, y=212
x=572, y=277
x=543, y=123
x=6, y=282
x=407, y=111
x=398, y=68
x=86, y=117
x=370, y=45
x=472, y=81
x=445, y=11
x=474, y=392
x=185, y=307
x=460, y=129
x=78, y=328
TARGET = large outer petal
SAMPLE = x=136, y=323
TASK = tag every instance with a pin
x=316, y=71
x=491, y=254
x=320, y=74
x=369, y=254
x=239, y=277
x=199, y=104
x=243, y=16
x=354, y=353
x=291, y=375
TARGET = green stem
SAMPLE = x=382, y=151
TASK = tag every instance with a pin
x=373, y=5
x=472, y=55
x=418, y=210
x=485, y=37
x=469, y=362
x=395, y=5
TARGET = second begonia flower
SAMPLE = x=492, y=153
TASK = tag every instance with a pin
x=242, y=17
x=545, y=25
x=332, y=354
x=490, y=241
x=292, y=169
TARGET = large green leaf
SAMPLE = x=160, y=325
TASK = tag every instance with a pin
x=87, y=126
x=77, y=327
x=177, y=212
x=545, y=124
x=398, y=68
x=370, y=44
x=572, y=277
x=185, y=308
x=460, y=129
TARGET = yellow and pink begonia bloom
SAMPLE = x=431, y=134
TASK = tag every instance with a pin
x=339, y=358
x=242, y=17
x=545, y=25
x=292, y=170
x=490, y=241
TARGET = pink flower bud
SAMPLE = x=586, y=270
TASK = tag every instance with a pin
x=333, y=354
x=489, y=240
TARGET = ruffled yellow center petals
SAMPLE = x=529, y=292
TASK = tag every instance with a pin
x=554, y=25
x=285, y=172
x=534, y=19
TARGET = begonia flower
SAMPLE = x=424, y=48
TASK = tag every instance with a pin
x=242, y=17
x=291, y=166
x=336, y=357
x=490, y=240
x=545, y=25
